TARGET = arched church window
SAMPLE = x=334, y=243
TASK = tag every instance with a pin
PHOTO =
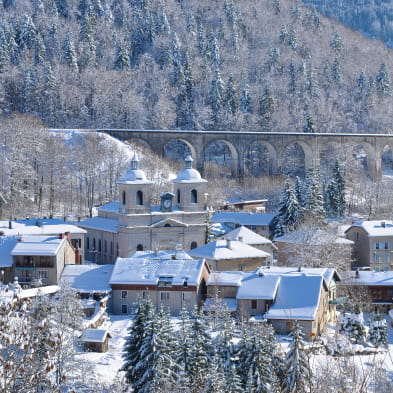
x=139, y=247
x=194, y=245
x=194, y=196
x=123, y=198
x=178, y=196
x=94, y=243
x=139, y=198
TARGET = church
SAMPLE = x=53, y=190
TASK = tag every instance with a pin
x=133, y=224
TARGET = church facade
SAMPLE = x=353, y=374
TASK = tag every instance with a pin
x=133, y=224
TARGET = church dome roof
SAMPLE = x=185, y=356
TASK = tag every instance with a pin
x=189, y=174
x=134, y=175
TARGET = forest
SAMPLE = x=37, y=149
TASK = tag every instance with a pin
x=186, y=64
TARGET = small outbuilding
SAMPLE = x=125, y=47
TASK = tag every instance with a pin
x=96, y=340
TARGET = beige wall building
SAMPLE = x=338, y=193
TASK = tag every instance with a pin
x=171, y=279
x=133, y=224
x=373, y=244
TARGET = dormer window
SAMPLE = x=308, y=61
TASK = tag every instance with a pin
x=194, y=196
x=165, y=281
x=139, y=198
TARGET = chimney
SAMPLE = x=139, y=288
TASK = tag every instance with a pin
x=383, y=224
x=299, y=269
x=173, y=256
x=61, y=235
x=229, y=244
x=10, y=224
x=68, y=235
x=240, y=238
x=357, y=273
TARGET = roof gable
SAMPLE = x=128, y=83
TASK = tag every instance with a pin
x=168, y=222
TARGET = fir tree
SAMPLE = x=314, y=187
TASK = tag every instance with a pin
x=70, y=53
x=382, y=82
x=336, y=71
x=352, y=325
x=230, y=97
x=216, y=95
x=336, y=43
x=122, y=58
x=297, y=373
x=377, y=333
x=234, y=382
x=292, y=85
x=314, y=205
x=245, y=99
x=335, y=193
x=215, y=378
x=266, y=108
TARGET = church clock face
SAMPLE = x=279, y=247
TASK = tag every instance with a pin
x=167, y=203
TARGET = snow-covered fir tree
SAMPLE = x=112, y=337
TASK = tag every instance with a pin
x=377, y=333
x=352, y=325
x=297, y=372
x=335, y=193
x=314, y=212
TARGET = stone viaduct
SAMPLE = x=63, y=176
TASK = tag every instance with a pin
x=238, y=143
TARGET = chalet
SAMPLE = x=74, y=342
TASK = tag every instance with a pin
x=257, y=222
x=245, y=235
x=378, y=286
x=170, y=278
x=280, y=295
x=227, y=254
x=373, y=244
x=39, y=260
x=303, y=241
x=96, y=340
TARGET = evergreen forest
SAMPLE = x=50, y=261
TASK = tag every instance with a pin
x=271, y=65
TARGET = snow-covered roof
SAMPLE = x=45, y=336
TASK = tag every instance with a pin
x=38, y=245
x=297, y=297
x=371, y=278
x=222, y=278
x=111, y=207
x=220, y=249
x=95, y=335
x=166, y=254
x=38, y=227
x=376, y=228
x=243, y=218
x=255, y=286
x=145, y=271
x=247, y=236
x=89, y=278
x=34, y=292
x=134, y=175
x=188, y=174
x=100, y=223
x=311, y=236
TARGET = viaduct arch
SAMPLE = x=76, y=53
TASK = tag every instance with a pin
x=239, y=143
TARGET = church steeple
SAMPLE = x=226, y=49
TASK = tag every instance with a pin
x=134, y=162
x=188, y=160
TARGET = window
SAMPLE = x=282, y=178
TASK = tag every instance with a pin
x=186, y=296
x=357, y=236
x=139, y=198
x=117, y=249
x=123, y=198
x=193, y=245
x=241, y=268
x=139, y=247
x=194, y=196
x=99, y=245
x=387, y=246
x=43, y=274
x=111, y=248
x=376, y=258
x=87, y=242
x=386, y=258
x=165, y=281
x=178, y=196
x=105, y=246
x=124, y=294
x=124, y=308
x=164, y=296
x=167, y=225
x=253, y=304
x=94, y=243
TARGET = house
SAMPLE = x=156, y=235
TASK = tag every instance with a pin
x=312, y=245
x=96, y=340
x=168, y=278
x=255, y=206
x=229, y=254
x=280, y=295
x=46, y=227
x=257, y=222
x=373, y=244
x=39, y=260
x=245, y=235
x=134, y=224
x=376, y=285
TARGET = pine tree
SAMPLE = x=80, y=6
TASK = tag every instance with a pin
x=230, y=97
x=216, y=96
x=40, y=51
x=297, y=373
x=266, y=108
x=308, y=126
x=300, y=192
x=214, y=51
x=314, y=205
x=185, y=342
x=292, y=85
x=70, y=53
x=245, y=99
x=142, y=318
x=382, y=82
x=336, y=43
x=215, y=377
x=352, y=325
x=336, y=193
x=336, y=71
x=377, y=333
x=122, y=58
x=234, y=382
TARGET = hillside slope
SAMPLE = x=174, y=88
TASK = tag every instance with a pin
x=255, y=65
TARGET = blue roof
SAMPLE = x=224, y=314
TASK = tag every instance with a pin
x=243, y=218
